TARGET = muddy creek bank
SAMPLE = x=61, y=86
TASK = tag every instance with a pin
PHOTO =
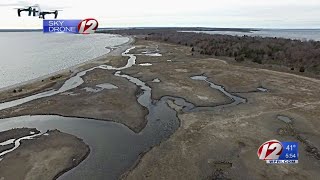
x=108, y=157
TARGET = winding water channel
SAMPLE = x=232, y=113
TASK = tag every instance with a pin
x=114, y=147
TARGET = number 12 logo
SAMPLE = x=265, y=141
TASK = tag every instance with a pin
x=270, y=150
x=88, y=26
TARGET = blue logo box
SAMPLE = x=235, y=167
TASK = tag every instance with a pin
x=290, y=151
x=289, y=155
x=61, y=26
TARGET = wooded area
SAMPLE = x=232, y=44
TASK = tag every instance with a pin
x=304, y=55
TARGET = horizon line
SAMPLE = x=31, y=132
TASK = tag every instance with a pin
x=172, y=27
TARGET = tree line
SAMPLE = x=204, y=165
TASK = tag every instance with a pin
x=304, y=55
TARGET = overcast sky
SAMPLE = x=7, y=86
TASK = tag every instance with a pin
x=206, y=13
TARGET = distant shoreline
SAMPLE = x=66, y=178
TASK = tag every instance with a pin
x=173, y=28
x=20, y=30
x=162, y=28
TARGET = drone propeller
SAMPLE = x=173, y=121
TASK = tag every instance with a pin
x=56, y=14
x=30, y=11
x=54, y=10
x=35, y=12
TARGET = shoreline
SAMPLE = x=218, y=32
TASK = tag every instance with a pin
x=34, y=89
x=77, y=164
x=45, y=83
x=113, y=52
x=59, y=145
x=71, y=71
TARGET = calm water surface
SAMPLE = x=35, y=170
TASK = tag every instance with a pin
x=300, y=34
x=28, y=55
